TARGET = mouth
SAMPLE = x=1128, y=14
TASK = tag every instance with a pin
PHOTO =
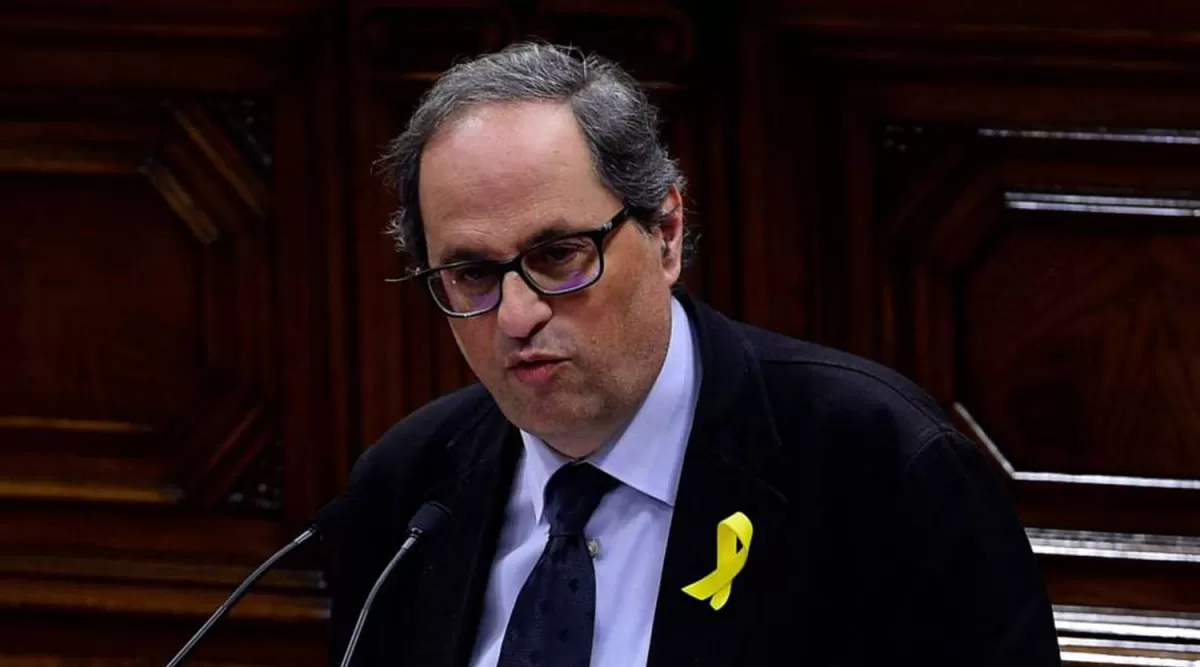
x=537, y=372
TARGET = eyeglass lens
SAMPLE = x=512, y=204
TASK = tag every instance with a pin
x=555, y=268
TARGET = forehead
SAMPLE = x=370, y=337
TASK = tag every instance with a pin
x=503, y=174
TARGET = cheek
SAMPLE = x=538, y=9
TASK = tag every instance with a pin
x=628, y=268
x=612, y=316
x=474, y=341
x=639, y=277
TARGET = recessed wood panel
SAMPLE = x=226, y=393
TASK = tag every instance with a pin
x=166, y=349
x=1081, y=347
x=1052, y=312
x=106, y=309
x=1041, y=282
x=137, y=361
x=138, y=402
x=1014, y=228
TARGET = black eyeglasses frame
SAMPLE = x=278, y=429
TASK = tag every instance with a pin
x=597, y=236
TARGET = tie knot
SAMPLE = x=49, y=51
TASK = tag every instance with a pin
x=572, y=494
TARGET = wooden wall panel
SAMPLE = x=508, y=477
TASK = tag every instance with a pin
x=1007, y=218
x=199, y=337
x=154, y=441
x=136, y=362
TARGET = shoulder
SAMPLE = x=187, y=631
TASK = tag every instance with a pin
x=831, y=396
x=869, y=440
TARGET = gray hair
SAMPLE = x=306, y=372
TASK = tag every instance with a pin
x=618, y=121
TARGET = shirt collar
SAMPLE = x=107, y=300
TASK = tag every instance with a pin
x=647, y=454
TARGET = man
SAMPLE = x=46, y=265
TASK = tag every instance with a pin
x=636, y=479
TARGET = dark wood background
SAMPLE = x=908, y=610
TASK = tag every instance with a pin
x=1000, y=199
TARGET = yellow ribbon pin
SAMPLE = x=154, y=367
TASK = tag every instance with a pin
x=730, y=561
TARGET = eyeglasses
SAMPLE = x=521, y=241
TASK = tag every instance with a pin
x=559, y=266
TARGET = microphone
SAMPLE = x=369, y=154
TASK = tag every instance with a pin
x=431, y=515
x=326, y=523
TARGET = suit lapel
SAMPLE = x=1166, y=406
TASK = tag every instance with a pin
x=733, y=440
x=688, y=631
x=458, y=559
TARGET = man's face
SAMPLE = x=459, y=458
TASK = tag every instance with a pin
x=572, y=368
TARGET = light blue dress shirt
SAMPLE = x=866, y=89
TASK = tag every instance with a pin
x=628, y=529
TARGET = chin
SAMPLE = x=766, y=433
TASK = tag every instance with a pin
x=547, y=418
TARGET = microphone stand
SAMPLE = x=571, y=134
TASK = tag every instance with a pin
x=237, y=595
x=430, y=516
x=327, y=521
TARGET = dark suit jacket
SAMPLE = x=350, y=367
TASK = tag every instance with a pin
x=881, y=535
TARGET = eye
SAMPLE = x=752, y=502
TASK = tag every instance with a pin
x=561, y=253
x=470, y=275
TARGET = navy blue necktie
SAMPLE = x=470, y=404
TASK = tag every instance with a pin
x=555, y=612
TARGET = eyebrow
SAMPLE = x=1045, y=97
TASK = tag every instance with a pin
x=467, y=253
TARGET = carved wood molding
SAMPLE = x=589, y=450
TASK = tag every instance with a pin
x=142, y=599
x=138, y=20
x=416, y=41
x=67, y=661
x=224, y=204
x=1106, y=636
x=171, y=566
x=1118, y=546
x=1065, y=35
x=1042, y=346
x=90, y=492
x=1046, y=477
x=128, y=44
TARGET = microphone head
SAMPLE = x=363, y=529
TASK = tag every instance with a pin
x=431, y=515
x=333, y=517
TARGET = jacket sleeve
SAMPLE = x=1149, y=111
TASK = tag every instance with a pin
x=984, y=599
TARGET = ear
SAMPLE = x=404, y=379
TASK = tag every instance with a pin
x=670, y=230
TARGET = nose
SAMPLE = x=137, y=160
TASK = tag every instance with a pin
x=522, y=311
